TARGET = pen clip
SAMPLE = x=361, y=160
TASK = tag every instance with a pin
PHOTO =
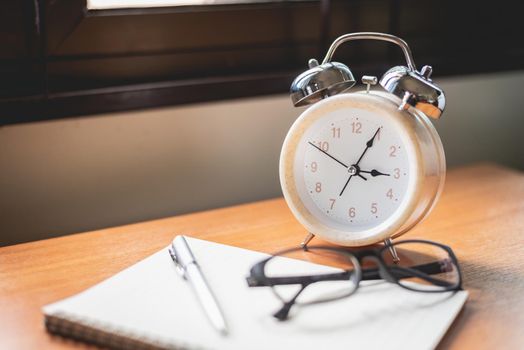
x=180, y=269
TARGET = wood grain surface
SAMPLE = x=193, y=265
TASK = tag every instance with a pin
x=480, y=215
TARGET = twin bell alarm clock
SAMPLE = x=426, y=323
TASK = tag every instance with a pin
x=357, y=168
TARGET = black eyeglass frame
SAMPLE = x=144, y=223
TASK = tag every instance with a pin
x=387, y=272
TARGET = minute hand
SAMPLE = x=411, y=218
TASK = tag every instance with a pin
x=327, y=154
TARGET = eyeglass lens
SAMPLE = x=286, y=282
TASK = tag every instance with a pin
x=334, y=275
x=423, y=267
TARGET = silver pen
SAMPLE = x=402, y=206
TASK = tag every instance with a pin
x=188, y=267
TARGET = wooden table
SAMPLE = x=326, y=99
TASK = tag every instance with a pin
x=480, y=215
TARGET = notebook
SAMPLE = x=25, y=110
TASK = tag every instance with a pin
x=149, y=306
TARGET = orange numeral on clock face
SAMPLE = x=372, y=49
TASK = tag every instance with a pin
x=318, y=187
x=396, y=173
x=393, y=151
x=323, y=146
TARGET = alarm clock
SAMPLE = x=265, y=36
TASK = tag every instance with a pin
x=357, y=168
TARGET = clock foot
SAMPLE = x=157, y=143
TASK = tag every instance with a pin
x=389, y=243
x=306, y=240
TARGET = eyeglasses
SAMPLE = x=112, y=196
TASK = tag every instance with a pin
x=424, y=266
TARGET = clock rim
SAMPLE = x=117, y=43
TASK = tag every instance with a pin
x=287, y=175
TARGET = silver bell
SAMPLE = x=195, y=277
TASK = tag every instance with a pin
x=415, y=89
x=320, y=81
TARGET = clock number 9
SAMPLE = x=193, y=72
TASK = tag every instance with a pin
x=314, y=167
x=352, y=212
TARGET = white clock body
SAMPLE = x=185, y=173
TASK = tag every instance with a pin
x=355, y=170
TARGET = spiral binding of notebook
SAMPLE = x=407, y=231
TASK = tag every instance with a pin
x=103, y=335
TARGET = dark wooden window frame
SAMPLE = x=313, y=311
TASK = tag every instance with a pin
x=81, y=62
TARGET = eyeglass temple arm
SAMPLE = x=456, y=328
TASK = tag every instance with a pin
x=421, y=271
x=406, y=272
x=304, y=280
x=283, y=313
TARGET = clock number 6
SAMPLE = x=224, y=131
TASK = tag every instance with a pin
x=352, y=212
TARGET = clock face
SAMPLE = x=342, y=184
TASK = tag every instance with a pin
x=354, y=169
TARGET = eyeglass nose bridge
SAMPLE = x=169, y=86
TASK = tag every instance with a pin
x=382, y=271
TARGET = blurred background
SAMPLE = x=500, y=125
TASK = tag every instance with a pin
x=118, y=111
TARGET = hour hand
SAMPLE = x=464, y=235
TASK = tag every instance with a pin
x=370, y=142
x=374, y=173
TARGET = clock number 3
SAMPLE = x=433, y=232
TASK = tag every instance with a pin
x=396, y=173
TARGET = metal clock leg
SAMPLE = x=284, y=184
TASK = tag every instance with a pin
x=389, y=243
x=306, y=240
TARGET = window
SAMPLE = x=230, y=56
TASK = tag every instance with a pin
x=121, y=4
x=62, y=58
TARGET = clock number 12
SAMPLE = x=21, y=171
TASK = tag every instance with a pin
x=356, y=127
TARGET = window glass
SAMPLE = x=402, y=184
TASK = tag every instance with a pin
x=118, y=4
